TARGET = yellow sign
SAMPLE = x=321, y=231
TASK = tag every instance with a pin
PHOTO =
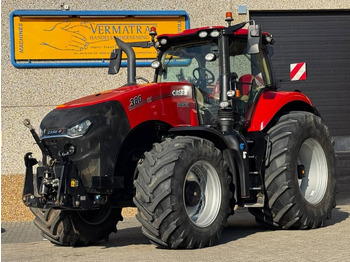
x=77, y=38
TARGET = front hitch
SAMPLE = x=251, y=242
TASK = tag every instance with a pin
x=56, y=182
x=30, y=189
x=48, y=186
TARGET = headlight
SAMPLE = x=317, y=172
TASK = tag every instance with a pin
x=79, y=129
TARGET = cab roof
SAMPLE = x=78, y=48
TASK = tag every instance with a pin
x=195, y=31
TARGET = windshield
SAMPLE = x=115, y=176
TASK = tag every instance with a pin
x=189, y=63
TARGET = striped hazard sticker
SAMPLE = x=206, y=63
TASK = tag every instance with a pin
x=298, y=71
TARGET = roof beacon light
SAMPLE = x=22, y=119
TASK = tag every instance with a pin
x=153, y=33
x=229, y=18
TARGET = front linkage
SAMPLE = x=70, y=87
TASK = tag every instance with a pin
x=56, y=182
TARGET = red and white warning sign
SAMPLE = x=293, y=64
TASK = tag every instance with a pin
x=298, y=71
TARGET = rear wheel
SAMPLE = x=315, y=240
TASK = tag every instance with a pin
x=183, y=193
x=300, y=176
x=76, y=228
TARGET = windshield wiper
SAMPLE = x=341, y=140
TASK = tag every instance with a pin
x=171, y=57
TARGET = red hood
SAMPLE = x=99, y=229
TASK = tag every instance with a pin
x=148, y=102
x=120, y=94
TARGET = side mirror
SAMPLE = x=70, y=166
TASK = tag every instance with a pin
x=254, y=38
x=115, y=61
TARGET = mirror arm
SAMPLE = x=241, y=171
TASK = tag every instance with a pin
x=231, y=29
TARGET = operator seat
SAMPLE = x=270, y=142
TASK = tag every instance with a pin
x=246, y=82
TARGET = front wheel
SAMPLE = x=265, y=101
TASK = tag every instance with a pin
x=77, y=228
x=183, y=193
x=300, y=175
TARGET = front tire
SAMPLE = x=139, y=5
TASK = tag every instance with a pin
x=76, y=228
x=300, y=176
x=183, y=193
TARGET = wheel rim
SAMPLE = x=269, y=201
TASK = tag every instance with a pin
x=95, y=217
x=313, y=183
x=202, y=193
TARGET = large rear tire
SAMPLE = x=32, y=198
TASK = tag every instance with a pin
x=300, y=175
x=76, y=228
x=183, y=193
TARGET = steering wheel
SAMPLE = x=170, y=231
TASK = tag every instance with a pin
x=209, y=76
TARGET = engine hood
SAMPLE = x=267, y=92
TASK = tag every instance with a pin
x=172, y=103
x=124, y=93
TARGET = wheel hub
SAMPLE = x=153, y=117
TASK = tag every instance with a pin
x=192, y=193
x=312, y=171
x=202, y=193
x=301, y=171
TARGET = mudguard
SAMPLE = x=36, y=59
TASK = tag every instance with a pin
x=272, y=102
x=233, y=145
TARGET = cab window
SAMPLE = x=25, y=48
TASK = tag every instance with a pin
x=250, y=73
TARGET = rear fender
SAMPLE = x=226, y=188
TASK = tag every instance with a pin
x=271, y=103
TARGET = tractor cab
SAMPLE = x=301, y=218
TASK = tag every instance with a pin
x=226, y=67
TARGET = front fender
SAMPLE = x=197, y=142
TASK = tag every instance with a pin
x=232, y=145
x=272, y=102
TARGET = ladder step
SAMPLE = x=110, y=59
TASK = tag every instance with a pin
x=255, y=188
x=253, y=205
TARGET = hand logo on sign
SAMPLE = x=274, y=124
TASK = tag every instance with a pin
x=71, y=37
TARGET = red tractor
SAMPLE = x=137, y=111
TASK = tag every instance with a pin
x=211, y=133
